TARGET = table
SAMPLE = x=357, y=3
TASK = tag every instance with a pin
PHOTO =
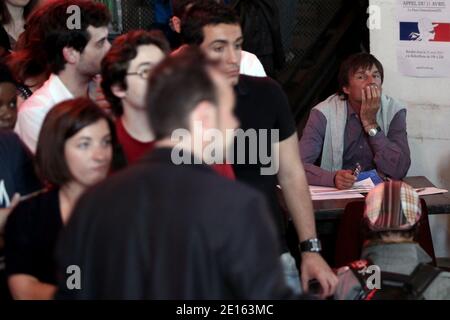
x=332, y=209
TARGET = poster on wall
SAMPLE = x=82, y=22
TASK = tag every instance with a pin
x=423, y=45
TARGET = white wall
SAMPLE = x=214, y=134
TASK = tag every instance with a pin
x=428, y=117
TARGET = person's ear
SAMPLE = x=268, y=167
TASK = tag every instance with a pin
x=345, y=90
x=71, y=55
x=175, y=24
x=204, y=114
x=119, y=91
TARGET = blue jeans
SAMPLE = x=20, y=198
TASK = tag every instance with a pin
x=291, y=274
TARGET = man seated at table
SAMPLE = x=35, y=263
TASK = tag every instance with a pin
x=357, y=125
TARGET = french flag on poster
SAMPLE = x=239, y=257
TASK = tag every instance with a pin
x=425, y=30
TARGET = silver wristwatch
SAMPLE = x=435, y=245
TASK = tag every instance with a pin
x=373, y=132
x=310, y=245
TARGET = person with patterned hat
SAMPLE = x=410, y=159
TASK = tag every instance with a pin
x=392, y=214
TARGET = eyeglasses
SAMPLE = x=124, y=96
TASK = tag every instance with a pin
x=144, y=73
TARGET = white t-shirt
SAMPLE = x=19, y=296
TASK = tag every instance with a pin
x=33, y=110
x=251, y=66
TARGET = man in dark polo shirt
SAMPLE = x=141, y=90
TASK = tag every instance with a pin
x=268, y=133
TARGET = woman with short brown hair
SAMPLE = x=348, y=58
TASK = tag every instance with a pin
x=74, y=152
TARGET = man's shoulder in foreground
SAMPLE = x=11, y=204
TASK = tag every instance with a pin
x=163, y=176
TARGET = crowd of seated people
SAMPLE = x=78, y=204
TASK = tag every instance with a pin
x=97, y=185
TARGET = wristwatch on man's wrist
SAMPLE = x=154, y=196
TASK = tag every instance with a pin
x=373, y=131
x=310, y=245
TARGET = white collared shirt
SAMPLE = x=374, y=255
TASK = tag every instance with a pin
x=33, y=110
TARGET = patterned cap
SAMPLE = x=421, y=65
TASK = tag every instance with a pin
x=392, y=205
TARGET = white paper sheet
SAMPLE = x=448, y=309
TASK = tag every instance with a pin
x=328, y=193
x=366, y=184
x=336, y=196
x=430, y=190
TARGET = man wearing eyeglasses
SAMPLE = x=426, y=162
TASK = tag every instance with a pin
x=358, y=126
x=125, y=71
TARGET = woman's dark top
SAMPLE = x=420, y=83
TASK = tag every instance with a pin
x=31, y=234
